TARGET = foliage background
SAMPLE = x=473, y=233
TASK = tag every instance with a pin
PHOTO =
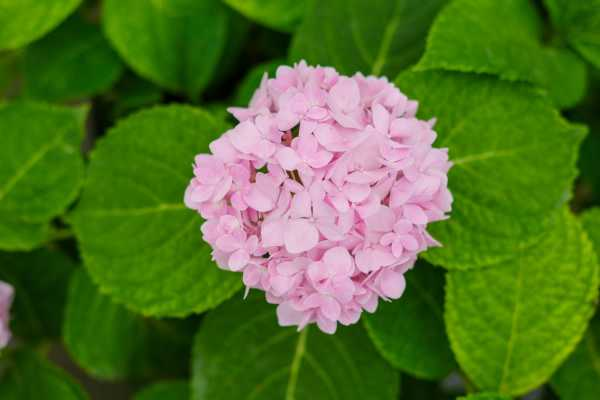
x=105, y=103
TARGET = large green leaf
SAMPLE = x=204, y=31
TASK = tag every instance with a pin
x=41, y=169
x=514, y=159
x=283, y=15
x=379, y=37
x=241, y=353
x=410, y=332
x=176, y=44
x=40, y=280
x=171, y=390
x=579, y=23
x=138, y=241
x=513, y=323
x=110, y=342
x=579, y=377
x=29, y=377
x=503, y=38
x=23, y=21
x=73, y=62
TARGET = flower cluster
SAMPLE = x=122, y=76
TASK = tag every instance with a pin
x=6, y=298
x=322, y=193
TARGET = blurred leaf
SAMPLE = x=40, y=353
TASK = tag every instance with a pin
x=514, y=163
x=133, y=93
x=111, y=342
x=251, y=81
x=579, y=377
x=41, y=169
x=9, y=63
x=241, y=352
x=40, y=279
x=29, y=377
x=485, y=396
x=513, y=323
x=176, y=44
x=23, y=21
x=73, y=62
x=579, y=23
x=282, y=15
x=238, y=34
x=379, y=37
x=503, y=38
x=174, y=390
x=138, y=240
x=417, y=389
x=410, y=332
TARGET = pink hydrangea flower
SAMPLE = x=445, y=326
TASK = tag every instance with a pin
x=321, y=194
x=6, y=298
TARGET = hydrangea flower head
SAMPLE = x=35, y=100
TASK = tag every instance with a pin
x=321, y=194
x=6, y=298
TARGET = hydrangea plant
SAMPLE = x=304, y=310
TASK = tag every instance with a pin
x=199, y=199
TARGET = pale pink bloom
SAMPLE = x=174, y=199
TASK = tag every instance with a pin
x=322, y=193
x=6, y=298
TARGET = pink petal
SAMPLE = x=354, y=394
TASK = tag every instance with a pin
x=338, y=260
x=381, y=118
x=415, y=214
x=301, y=205
x=244, y=137
x=287, y=315
x=287, y=158
x=300, y=236
x=356, y=192
x=330, y=307
x=272, y=233
x=392, y=284
x=238, y=260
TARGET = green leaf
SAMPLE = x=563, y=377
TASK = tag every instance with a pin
x=73, y=62
x=23, y=21
x=241, y=353
x=485, y=396
x=591, y=222
x=18, y=235
x=41, y=169
x=138, y=241
x=500, y=136
x=504, y=39
x=410, y=332
x=579, y=377
x=111, y=342
x=176, y=44
x=29, y=376
x=251, y=81
x=40, y=280
x=282, y=15
x=578, y=22
x=513, y=323
x=174, y=390
x=379, y=37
